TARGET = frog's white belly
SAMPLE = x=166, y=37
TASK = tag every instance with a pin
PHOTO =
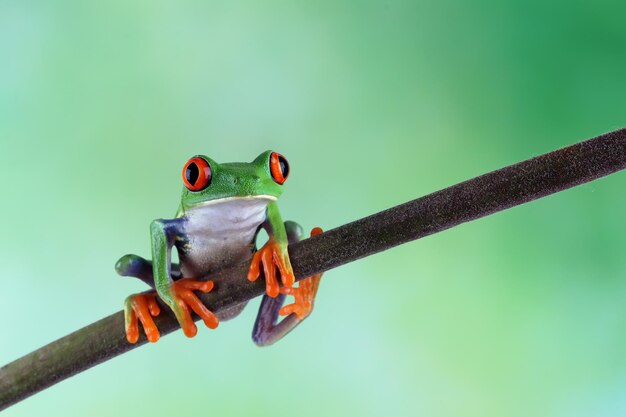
x=221, y=233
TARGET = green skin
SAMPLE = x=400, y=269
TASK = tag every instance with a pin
x=230, y=181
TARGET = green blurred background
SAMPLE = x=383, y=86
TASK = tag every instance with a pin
x=373, y=103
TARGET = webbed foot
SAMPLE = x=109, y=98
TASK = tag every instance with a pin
x=273, y=256
x=304, y=294
x=141, y=307
x=182, y=293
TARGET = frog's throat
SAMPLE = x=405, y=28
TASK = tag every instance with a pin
x=235, y=198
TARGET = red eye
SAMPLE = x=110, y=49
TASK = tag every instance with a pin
x=279, y=167
x=196, y=174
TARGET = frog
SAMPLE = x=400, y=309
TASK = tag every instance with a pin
x=222, y=210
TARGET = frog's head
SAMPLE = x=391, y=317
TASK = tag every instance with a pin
x=207, y=182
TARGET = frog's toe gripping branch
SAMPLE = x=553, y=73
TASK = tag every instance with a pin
x=185, y=301
x=267, y=330
x=141, y=307
x=178, y=295
x=304, y=294
x=273, y=256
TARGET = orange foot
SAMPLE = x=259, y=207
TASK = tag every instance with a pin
x=272, y=256
x=143, y=307
x=304, y=294
x=187, y=301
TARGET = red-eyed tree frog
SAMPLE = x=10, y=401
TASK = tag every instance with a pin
x=222, y=209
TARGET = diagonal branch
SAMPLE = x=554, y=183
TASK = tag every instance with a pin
x=469, y=200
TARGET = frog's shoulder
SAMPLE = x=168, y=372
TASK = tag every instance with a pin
x=180, y=212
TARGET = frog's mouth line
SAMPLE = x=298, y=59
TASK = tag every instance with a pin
x=237, y=198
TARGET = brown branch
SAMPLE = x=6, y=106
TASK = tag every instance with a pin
x=478, y=197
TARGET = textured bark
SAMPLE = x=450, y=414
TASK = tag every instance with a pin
x=478, y=197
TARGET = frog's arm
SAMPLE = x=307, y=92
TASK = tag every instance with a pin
x=178, y=295
x=163, y=235
x=267, y=330
x=273, y=255
x=275, y=227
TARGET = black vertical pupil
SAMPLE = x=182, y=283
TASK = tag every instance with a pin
x=192, y=173
x=284, y=166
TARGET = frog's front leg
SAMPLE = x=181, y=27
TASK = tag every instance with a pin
x=178, y=295
x=143, y=306
x=273, y=256
x=267, y=330
x=165, y=277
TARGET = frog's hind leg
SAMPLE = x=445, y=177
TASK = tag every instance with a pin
x=267, y=330
x=138, y=267
x=143, y=306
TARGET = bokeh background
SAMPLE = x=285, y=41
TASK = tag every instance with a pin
x=373, y=103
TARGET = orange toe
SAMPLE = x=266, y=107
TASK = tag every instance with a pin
x=304, y=297
x=274, y=259
x=188, y=301
x=141, y=308
x=304, y=294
